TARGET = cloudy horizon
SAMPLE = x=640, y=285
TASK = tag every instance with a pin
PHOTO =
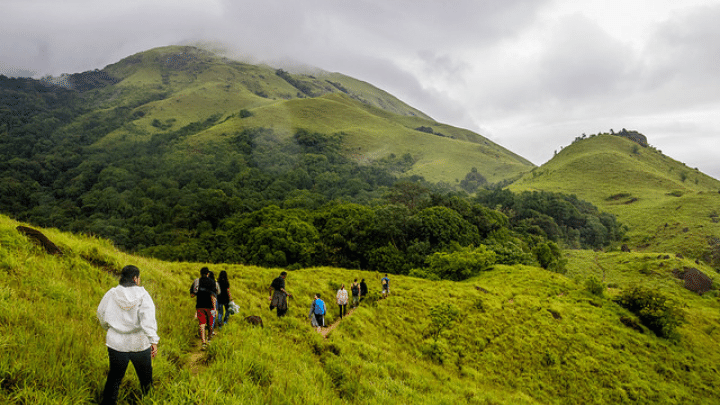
x=529, y=75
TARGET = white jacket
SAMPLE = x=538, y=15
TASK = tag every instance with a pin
x=128, y=315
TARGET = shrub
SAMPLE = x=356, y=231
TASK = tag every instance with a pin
x=435, y=350
x=656, y=311
x=595, y=286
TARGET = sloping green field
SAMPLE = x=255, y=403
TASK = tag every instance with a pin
x=522, y=335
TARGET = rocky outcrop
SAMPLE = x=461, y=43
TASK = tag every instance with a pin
x=695, y=280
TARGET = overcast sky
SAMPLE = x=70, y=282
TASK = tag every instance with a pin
x=530, y=75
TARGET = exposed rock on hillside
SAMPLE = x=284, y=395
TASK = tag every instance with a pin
x=695, y=280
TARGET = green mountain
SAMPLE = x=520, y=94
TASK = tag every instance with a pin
x=667, y=206
x=174, y=86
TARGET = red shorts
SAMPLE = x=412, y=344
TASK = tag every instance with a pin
x=204, y=316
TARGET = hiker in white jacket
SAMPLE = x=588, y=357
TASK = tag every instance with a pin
x=128, y=314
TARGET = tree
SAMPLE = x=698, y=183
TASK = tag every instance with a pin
x=442, y=318
x=460, y=264
x=549, y=257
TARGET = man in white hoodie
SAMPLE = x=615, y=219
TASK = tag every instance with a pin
x=128, y=314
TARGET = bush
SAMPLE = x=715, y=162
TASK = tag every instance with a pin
x=656, y=311
x=436, y=350
x=595, y=286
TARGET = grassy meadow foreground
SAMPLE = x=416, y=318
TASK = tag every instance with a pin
x=521, y=335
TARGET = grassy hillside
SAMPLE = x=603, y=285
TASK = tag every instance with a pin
x=522, y=335
x=667, y=206
x=171, y=87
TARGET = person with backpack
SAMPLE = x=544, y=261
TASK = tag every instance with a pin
x=317, y=312
x=127, y=313
x=355, y=290
x=204, y=289
x=342, y=300
x=385, y=281
x=279, y=296
x=363, y=290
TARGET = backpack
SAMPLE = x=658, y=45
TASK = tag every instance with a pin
x=355, y=289
x=275, y=285
x=319, y=307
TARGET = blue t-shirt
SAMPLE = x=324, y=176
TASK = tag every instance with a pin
x=319, y=307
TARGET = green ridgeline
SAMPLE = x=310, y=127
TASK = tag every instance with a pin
x=667, y=206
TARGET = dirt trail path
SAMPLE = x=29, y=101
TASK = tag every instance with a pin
x=325, y=331
x=196, y=364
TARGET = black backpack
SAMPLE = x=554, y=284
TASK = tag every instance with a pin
x=276, y=283
x=355, y=289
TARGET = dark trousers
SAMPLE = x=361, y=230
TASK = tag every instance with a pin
x=343, y=310
x=142, y=361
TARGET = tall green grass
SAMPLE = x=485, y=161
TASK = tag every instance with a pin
x=524, y=335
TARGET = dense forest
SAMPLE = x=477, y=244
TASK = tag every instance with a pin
x=261, y=199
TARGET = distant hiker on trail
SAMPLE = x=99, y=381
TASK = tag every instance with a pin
x=204, y=289
x=342, y=300
x=128, y=314
x=224, y=299
x=385, y=285
x=279, y=295
x=363, y=290
x=355, y=290
x=317, y=312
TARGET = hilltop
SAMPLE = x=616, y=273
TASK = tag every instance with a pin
x=667, y=206
x=512, y=335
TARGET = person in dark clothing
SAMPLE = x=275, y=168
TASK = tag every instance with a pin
x=355, y=290
x=279, y=296
x=224, y=299
x=363, y=289
x=204, y=289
